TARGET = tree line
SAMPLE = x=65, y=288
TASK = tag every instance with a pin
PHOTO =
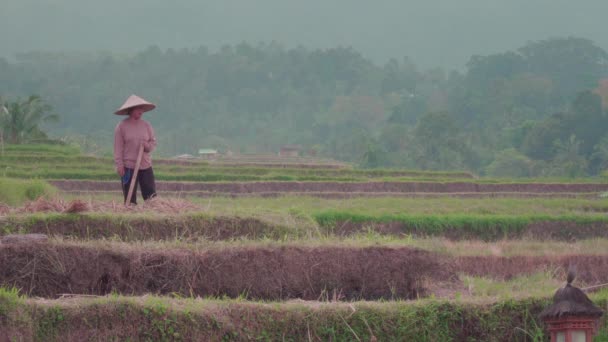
x=538, y=110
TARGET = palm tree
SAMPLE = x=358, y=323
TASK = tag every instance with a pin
x=20, y=120
x=567, y=160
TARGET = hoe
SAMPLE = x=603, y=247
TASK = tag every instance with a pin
x=134, y=177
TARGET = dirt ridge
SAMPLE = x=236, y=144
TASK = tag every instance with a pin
x=264, y=272
x=52, y=269
x=320, y=187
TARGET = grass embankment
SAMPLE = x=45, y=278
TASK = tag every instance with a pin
x=271, y=219
x=193, y=227
x=210, y=231
x=163, y=319
x=16, y=191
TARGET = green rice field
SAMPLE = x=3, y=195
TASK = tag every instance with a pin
x=285, y=262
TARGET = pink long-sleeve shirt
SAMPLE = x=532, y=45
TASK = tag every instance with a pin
x=128, y=135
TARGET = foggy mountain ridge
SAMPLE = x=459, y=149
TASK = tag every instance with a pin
x=432, y=33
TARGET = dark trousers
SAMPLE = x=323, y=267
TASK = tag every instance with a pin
x=145, y=179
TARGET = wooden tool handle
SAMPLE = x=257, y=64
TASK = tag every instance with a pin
x=140, y=154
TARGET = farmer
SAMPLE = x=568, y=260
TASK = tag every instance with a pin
x=129, y=135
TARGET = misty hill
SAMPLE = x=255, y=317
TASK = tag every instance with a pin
x=535, y=110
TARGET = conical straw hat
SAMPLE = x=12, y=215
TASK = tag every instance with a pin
x=134, y=101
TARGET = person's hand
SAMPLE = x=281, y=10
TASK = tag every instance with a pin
x=147, y=145
x=121, y=171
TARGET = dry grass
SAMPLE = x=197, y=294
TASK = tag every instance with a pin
x=508, y=248
x=58, y=205
x=282, y=271
x=441, y=246
x=4, y=209
x=540, y=284
x=52, y=269
x=77, y=206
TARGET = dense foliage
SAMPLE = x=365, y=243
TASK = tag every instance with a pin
x=531, y=112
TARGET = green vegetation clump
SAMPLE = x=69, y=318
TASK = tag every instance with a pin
x=484, y=227
x=40, y=150
x=15, y=318
x=9, y=300
x=17, y=191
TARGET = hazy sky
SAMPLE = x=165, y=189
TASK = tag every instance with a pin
x=432, y=32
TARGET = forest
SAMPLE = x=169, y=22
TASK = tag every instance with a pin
x=538, y=110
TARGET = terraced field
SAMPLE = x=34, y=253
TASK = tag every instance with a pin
x=56, y=162
x=381, y=255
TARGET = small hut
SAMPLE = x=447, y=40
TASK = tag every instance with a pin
x=207, y=153
x=572, y=317
x=183, y=156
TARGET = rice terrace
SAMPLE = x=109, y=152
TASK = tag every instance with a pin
x=258, y=250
